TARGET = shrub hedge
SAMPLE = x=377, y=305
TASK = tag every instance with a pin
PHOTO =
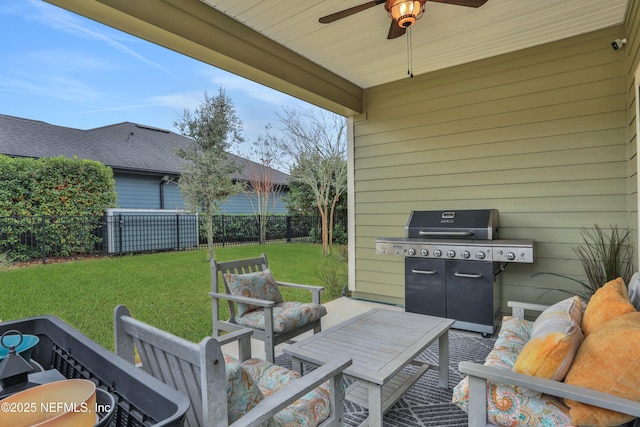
x=246, y=228
x=52, y=187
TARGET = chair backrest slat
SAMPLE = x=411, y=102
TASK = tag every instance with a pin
x=178, y=363
x=242, y=266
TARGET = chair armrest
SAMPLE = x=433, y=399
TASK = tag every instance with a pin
x=518, y=308
x=274, y=403
x=243, y=300
x=316, y=290
x=299, y=286
x=477, y=395
x=243, y=336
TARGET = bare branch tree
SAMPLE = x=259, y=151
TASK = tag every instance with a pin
x=316, y=143
x=265, y=184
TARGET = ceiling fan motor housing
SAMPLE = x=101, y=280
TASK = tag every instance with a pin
x=405, y=12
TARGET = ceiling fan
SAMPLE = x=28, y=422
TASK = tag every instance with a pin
x=403, y=13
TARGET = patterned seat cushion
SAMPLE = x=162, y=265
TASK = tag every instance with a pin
x=310, y=410
x=287, y=316
x=509, y=405
x=243, y=392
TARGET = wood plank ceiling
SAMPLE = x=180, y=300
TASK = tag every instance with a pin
x=356, y=47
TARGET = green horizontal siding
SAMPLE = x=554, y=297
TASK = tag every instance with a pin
x=541, y=135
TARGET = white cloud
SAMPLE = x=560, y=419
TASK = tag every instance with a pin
x=50, y=86
x=230, y=82
x=62, y=20
x=180, y=100
x=62, y=60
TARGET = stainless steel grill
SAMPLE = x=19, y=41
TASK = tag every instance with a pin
x=453, y=261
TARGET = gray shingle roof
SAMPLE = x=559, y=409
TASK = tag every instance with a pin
x=123, y=146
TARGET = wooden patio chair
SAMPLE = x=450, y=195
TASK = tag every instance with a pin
x=224, y=391
x=255, y=302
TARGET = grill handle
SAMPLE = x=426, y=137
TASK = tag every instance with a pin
x=429, y=272
x=446, y=233
x=468, y=276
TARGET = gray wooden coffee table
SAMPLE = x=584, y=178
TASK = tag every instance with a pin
x=381, y=342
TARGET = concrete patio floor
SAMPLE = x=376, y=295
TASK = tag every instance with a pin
x=338, y=311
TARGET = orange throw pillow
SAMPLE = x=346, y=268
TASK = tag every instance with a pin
x=609, y=361
x=608, y=302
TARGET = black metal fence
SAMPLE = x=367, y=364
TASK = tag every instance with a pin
x=46, y=238
x=242, y=229
x=149, y=231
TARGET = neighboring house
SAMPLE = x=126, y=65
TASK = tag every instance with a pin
x=521, y=106
x=141, y=158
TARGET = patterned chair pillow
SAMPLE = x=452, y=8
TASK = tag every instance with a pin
x=507, y=405
x=260, y=285
x=287, y=316
x=243, y=392
x=310, y=410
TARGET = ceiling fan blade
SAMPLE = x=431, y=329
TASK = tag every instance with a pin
x=468, y=3
x=395, y=30
x=348, y=12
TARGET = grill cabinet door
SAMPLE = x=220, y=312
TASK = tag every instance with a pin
x=470, y=291
x=425, y=288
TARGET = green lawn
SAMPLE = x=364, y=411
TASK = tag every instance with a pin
x=168, y=290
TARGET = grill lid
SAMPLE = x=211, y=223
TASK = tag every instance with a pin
x=480, y=224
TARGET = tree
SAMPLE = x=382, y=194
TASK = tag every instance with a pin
x=316, y=144
x=264, y=186
x=206, y=176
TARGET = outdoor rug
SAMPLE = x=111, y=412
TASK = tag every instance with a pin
x=425, y=404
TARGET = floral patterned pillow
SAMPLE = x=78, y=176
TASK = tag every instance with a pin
x=260, y=285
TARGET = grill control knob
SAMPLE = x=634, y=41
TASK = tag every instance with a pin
x=480, y=255
x=511, y=256
x=465, y=254
x=411, y=252
x=424, y=252
x=437, y=252
x=451, y=253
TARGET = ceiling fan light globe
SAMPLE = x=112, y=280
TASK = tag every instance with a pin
x=405, y=12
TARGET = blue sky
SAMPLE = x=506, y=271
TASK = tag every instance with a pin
x=66, y=70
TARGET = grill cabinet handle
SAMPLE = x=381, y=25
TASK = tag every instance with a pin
x=468, y=276
x=446, y=233
x=430, y=272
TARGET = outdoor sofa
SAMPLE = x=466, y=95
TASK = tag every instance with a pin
x=577, y=364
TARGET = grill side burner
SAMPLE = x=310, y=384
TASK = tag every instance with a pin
x=452, y=265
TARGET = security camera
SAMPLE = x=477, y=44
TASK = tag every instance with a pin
x=617, y=43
